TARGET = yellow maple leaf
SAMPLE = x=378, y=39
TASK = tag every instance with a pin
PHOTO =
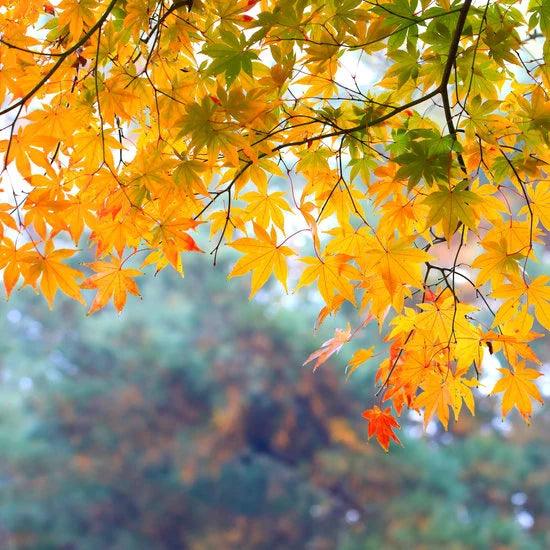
x=24, y=150
x=347, y=240
x=540, y=203
x=460, y=391
x=519, y=389
x=332, y=273
x=76, y=14
x=264, y=207
x=535, y=293
x=359, y=357
x=513, y=338
x=92, y=148
x=263, y=257
x=397, y=261
x=442, y=390
x=55, y=121
x=496, y=262
x=439, y=319
x=116, y=99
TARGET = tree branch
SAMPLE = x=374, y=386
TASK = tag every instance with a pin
x=98, y=24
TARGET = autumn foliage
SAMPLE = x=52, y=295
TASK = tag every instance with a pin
x=416, y=192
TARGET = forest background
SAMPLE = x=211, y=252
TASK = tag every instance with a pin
x=188, y=422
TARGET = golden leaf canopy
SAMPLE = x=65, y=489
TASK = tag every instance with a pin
x=391, y=154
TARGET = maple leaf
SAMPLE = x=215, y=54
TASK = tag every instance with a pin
x=11, y=261
x=171, y=236
x=424, y=154
x=519, y=389
x=381, y=426
x=334, y=345
x=205, y=123
x=75, y=14
x=116, y=100
x=540, y=203
x=111, y=280
x=24, y=150
x=451, y=206
x=52, y=121
x=535, y=293
x=496, y=262
x=513, y=338
x=91, y=148
x=445, y=320
x=461, y=392
x=347, y=240
x=359, y=357
x=397, y=262
x=188, y=174
x=264, y=207
x=263, y=257
x=6, y=219
x=54, y=275
x=443, y=389
x=332, y=273
x=230, y=55
x=435, y=397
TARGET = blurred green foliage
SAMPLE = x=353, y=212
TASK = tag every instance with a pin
x=188, y=423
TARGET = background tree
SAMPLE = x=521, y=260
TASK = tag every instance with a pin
x=398, y=148
x=154, y=434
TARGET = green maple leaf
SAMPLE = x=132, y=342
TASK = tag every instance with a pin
x=229, y=56
x=427, y=158
x=406, y=65
x=451, y=206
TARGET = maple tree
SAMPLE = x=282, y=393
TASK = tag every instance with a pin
x=417, y=193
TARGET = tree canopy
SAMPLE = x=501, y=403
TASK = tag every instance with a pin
x=391, y=154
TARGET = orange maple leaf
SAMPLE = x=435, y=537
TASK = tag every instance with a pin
x=11, y=259
x=111, y=280
x=381, y=426
x=54, y=275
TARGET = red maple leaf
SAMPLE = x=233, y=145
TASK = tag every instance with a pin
x=381, y=426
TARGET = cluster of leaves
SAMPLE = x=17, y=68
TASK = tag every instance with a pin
x=418, y=198
x=113, y=438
